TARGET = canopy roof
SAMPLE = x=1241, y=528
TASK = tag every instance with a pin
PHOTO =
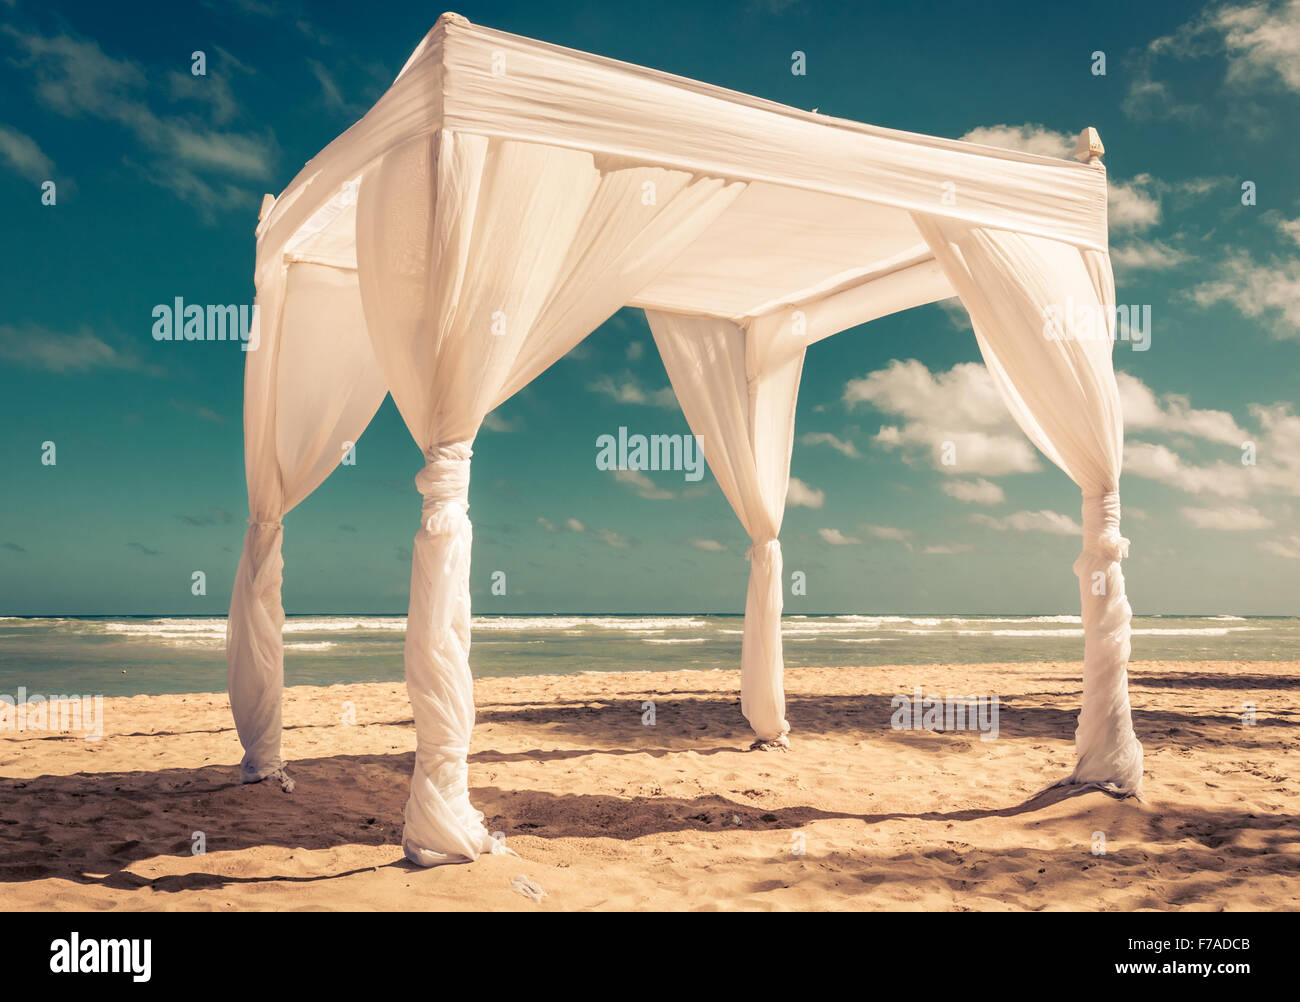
x=826, y=212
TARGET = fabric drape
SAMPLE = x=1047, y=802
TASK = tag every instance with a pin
x=310, y=388
x=482, y=262
x=1043, y=314
x=738, y=394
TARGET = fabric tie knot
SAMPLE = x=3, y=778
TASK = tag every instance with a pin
x=1101, y=527
x=444, y=483
x=1112, y=545
x=764, y=549
x=267, y=524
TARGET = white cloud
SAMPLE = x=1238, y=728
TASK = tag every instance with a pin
x=627, y=390
x=1154, y=255
x=956, y=312
x=1148, y=98
x=1028, y=138
x=1290, y=227
x=1275, y=445
x=213, y=89
x=708, y=545
x=1173, y=413
x=48, y=351
x=801, y=495
x=612, y=538
x=23, y=156
x=910, y=390
x=1258, y=43
x=495, y=422
x=973, y=452
x=946, y=549
x=1133, y=205
x=836, y=443
x=76, y=78
x=1158, y=462
x=1031, y=521
x=329, y=88
x=959, y=408
x=890, y=532
x=225, y=152
x=1268, y=292
x=1287, y=546
x=974, y=491
x=643, y=485
x=1231, y=518
x=837, y=538
x=1262, y=42
x=574, y=525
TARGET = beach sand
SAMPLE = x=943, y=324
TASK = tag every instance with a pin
x=607, y=813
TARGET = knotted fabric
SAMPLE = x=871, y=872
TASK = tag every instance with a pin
x=762, y=677
x=438, y=680
x=255, y=669
x=738, y=392
x=1034, y=304
x=481, y=261
x=1107, y=749
x=310, y=388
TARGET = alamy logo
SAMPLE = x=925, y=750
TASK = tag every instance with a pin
x=945, y=713
x=176, y=321
x=102, y=956
x=1076, y=321
x=652, y=452
x=84, y=714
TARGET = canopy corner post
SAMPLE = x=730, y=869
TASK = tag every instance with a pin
x=1089, y=149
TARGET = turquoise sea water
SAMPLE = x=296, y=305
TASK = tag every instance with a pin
x=134, y=655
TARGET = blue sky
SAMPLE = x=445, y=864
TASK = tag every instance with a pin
x=159, y=175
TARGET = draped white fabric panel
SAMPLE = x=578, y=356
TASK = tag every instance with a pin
x=311, y=387
x=482, y=262
x=1041, y=311
x=739, y=396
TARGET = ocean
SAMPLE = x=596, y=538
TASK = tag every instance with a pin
x=123, y=656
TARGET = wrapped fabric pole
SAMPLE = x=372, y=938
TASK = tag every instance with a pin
x=310, y=388
x=1107, y=750
x=481, y=262
x=441, y=824
x=1034, y=305
x=255, y=652
x=762, y=665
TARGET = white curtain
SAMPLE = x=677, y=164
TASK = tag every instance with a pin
x=1043, y=316
x=482, y=262
x=310, y=387
x=738, y=393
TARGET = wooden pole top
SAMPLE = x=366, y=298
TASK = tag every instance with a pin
x=1089, y=149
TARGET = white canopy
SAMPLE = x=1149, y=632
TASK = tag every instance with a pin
x=505, y=197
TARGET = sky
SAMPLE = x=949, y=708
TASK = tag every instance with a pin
x=159, y=173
